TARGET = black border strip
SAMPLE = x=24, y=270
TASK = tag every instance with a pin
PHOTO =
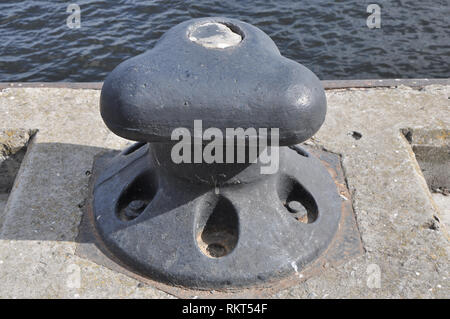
x=189, y=309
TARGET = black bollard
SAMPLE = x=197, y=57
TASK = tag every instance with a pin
x=229, y=222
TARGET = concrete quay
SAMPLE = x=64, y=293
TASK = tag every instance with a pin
x=394, y=143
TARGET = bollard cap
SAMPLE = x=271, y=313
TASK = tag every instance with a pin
x=225, y=72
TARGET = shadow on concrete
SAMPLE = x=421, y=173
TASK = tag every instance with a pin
x=49, y=194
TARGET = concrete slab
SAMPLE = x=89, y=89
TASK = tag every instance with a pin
x=404, y=257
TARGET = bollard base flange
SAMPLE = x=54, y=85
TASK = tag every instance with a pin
x=200, y=237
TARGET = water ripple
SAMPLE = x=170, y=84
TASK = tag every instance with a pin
x=330, y=37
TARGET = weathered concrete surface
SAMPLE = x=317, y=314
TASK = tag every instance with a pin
x=40, y=224
x=393, y=205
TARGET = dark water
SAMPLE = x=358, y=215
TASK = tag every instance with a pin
x=329, y=37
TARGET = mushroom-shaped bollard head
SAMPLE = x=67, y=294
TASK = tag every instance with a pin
x=225, y=72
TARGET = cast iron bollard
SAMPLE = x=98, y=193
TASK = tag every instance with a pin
x=214, y=225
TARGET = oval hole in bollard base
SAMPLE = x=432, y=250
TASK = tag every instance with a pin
x=212, y=226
